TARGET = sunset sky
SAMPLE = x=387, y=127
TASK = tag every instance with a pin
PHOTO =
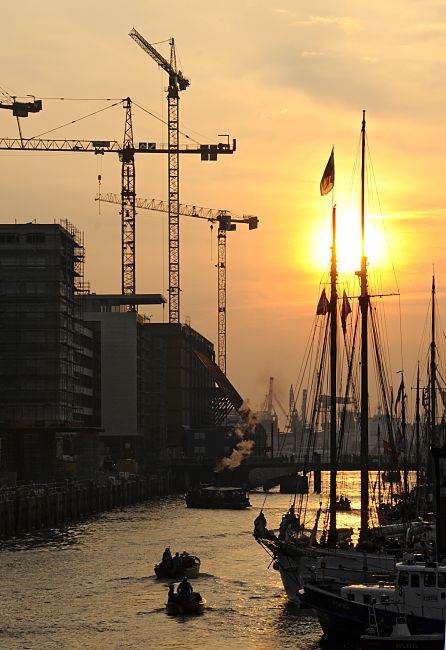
x=288, y=80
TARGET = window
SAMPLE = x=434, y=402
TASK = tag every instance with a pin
x=429, y=579
x=35, y=238
x=367, y=599
x=403, y=579
x=414, y=580
x=442, y=580
x=9, y=238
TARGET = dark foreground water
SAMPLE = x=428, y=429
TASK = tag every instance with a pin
x=93, y=586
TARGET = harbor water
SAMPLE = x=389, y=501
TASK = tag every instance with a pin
x=93, y=585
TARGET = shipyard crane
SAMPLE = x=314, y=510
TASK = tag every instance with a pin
x=226, y=222
x=126, y=152
x=177, y=83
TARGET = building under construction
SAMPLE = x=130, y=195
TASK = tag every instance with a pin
x=46, y=352
x=84, y=379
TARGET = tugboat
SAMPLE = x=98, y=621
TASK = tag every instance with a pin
x=185, y=602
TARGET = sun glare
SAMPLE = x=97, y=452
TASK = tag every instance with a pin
x=348, y=243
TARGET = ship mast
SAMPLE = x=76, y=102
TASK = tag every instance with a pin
x=433, y=371
x=332, y=534
x=364, y=306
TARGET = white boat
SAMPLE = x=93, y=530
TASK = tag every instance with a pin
x=418, y=594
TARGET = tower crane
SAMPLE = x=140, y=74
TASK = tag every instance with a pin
x=177, y=83
x=226, y=222
x=20, y=108
x=126, y=152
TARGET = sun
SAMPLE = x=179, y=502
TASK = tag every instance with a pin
x=348, y=243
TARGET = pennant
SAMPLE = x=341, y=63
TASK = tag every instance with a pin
x=327, y=181
x=400, y=394
x=346, y=310
x=323, y=304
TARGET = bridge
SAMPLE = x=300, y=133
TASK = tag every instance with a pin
x=255, y=471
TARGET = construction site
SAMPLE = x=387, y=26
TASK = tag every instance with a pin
x=91, y=388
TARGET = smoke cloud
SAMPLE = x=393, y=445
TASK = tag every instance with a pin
x=244, y=446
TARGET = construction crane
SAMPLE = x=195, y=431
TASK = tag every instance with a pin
x=19, y=108
x=177, y=83
x=126, y=152
x=226, y=222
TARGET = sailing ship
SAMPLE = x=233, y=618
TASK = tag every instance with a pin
x=301, y=556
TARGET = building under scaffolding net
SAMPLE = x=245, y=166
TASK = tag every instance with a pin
x=45, y=348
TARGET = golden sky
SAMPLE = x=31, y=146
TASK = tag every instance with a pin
x=289, y=80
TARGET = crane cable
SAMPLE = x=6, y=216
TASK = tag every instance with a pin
x=101, y=110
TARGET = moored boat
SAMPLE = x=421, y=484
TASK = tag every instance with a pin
x=208, y=496
x=418, y=594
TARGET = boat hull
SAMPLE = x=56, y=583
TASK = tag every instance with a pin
x=298, y=565
x=186, y=607
x=167, y=573
x=412, y=642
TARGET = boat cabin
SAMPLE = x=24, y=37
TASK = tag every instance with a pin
x=419, y=587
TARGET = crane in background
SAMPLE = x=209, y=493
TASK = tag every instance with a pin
x=19, y=108
x=226, y=222
x=126, y=153
x=177, y=83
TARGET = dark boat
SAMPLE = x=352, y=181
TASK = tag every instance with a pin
x=343, y=504
x=208, y=496
x=190, y=567
x=191, y=606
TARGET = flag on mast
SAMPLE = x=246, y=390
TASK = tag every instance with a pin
x=327, y=181
x=323, y=305
x=346, y=310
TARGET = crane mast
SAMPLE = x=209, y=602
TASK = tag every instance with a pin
x=226, y=222
x=128, y=211
x=177, y=82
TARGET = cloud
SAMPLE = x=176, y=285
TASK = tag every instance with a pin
x=344, y=23
x=428, y=29
x=307, y=53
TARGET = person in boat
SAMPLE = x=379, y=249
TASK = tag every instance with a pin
x=293, y=520
x=187, y=560
x=167, y=557
x=177, y=562
x=184, y=589
x=171, y=593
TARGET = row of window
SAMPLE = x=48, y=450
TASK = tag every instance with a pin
x=430, y=579
x=14, y=238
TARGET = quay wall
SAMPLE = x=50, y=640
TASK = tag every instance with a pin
x=30, y=508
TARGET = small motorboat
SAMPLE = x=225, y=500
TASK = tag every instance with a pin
x=400, y=638
x=180, y=566
x=186, y=602
x=343, y=504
